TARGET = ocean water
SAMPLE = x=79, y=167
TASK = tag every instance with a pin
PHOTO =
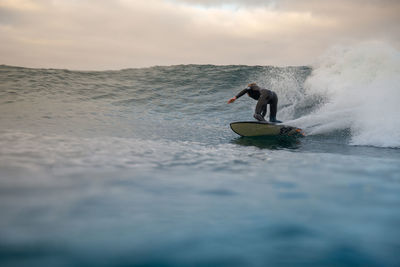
x=138, y=167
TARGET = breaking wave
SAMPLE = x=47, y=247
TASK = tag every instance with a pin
x=356, y=89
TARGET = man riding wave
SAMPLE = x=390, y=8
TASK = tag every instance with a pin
x=264, y=97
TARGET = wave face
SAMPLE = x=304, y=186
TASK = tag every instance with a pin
x=350, y=92
x=185, y=103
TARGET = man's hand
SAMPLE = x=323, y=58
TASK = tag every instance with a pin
x=232, y=100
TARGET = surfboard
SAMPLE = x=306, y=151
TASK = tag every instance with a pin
x=257, y=128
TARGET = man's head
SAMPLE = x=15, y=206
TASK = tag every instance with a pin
x=252, y=85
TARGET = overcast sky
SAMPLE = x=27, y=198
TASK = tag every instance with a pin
x=115, y=34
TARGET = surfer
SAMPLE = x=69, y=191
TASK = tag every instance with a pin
x=264, y=97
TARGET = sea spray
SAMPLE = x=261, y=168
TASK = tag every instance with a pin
x=360, y=86
x=288, y=83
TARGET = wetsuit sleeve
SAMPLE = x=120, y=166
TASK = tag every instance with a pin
x=242, y=92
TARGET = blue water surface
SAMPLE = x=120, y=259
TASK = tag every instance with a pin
x=139, y=167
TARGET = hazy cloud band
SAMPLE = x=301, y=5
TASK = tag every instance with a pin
x=89, y=34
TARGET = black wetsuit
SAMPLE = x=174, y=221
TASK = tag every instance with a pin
x=264, y=98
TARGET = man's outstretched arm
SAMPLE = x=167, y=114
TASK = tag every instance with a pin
x=238, y=95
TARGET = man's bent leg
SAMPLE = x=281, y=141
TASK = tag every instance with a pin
x=273, y=109
x=261, y=108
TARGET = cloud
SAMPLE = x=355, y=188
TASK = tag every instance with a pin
x=103, y=34
x=20, y=4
